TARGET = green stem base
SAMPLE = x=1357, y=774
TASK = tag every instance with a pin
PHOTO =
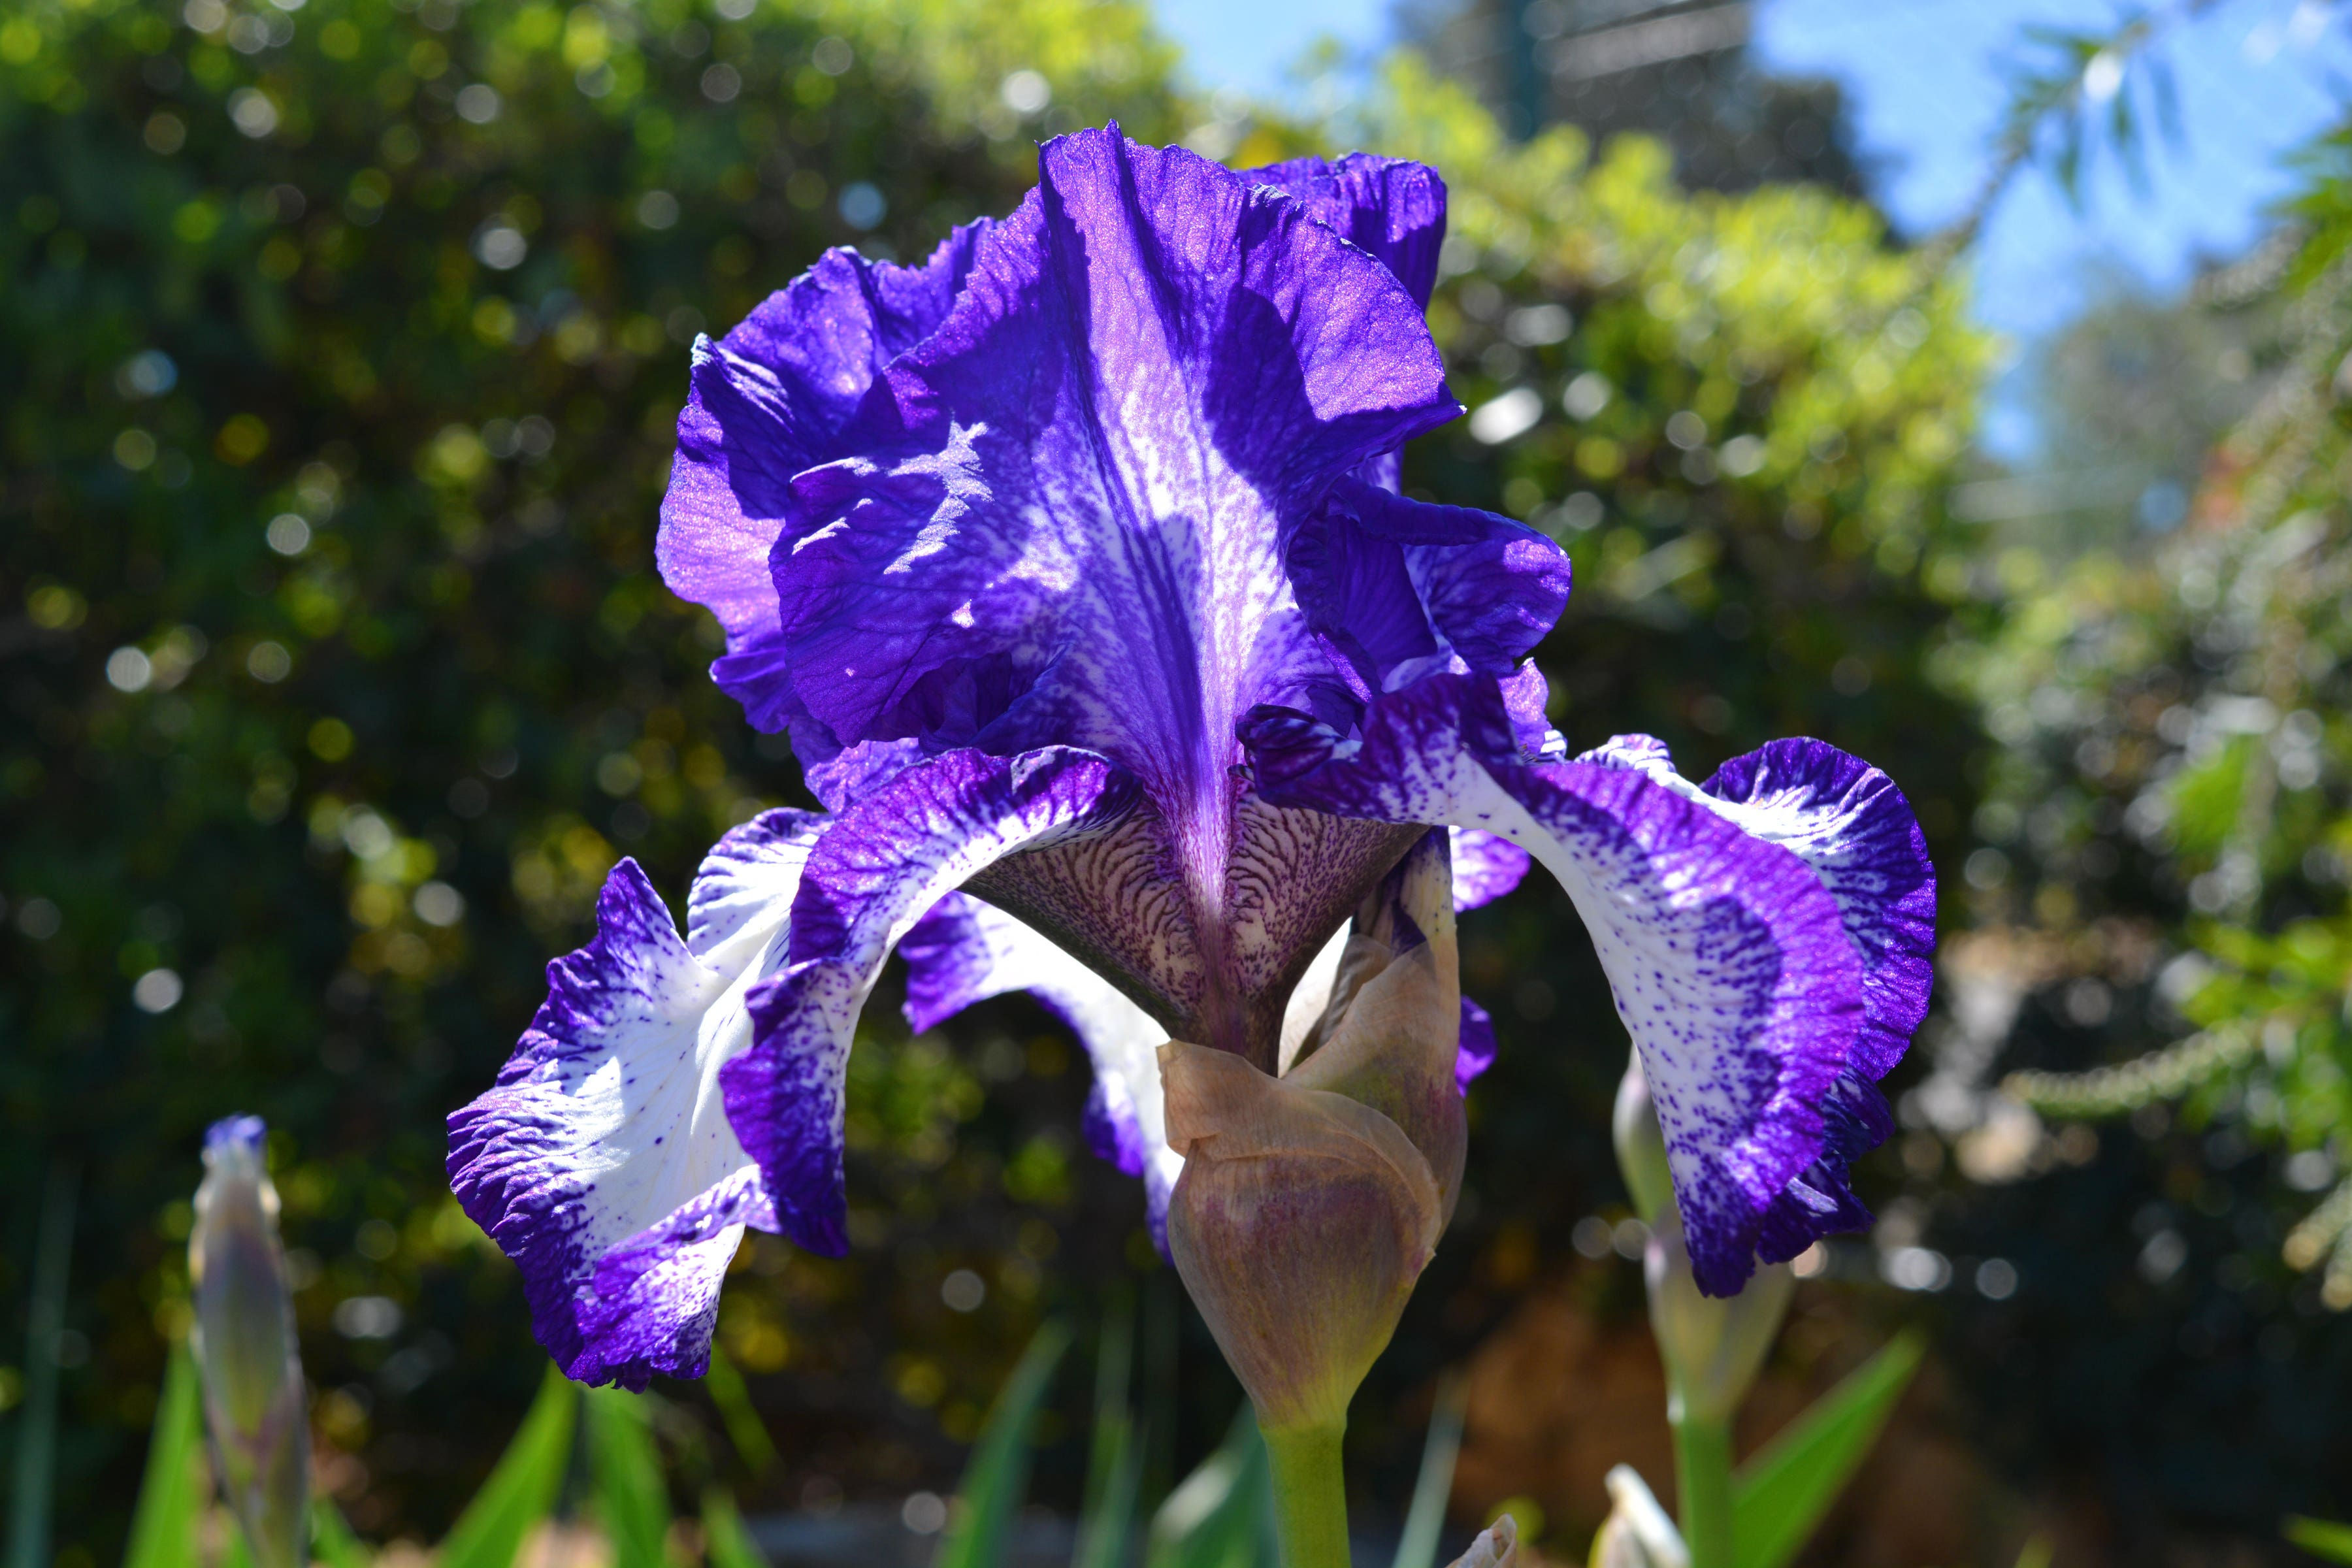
x=1703, y=1480
x=1310, y=1497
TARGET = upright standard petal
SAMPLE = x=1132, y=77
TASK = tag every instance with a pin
x=1728, y=961
x=765, y=402
x=872, y=875
x=1059, y=517
x=603, y=1162
x=1066, y=519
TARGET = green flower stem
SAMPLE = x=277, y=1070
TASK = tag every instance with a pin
x=1703, y=1479
x=1310, y=1497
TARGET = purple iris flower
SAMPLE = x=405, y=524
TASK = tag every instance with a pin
x=1071, y=562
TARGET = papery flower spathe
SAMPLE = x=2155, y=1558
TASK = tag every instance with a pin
x=1019, y=546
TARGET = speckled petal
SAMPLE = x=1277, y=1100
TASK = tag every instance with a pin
x=873, y=873
x=1849, y=822
x=603, y=1162
x=1728, y=958
x=1819, y=1200
x=964, y=952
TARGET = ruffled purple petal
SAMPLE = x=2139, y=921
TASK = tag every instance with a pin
x=603, y=1162
x=765, y=402
x=1850, y=823
x=964, y=950
x=1728, y=959
x=1391, y=207
x=1059, y=522
x=1819, y=1200
x=1406, y=589
x=873, y=873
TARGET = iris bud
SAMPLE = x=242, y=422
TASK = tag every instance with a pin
x=1712, y=1347
x=1310, y=1202
x=246, y=1349
x=1640, y=1147
x=1637, y=1533
x=1497, y=1546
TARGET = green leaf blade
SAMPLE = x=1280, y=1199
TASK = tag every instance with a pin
x=163, y=1522
x=632, y=1500
x=998, y=1475
x=332, y=1541
x=522, y=1487
x=2322, y=1538
x=1424, y=1520
x=726, y=1543
x=1785, y=1490
x=1222, y=1515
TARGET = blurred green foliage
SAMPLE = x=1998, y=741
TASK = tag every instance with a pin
x=346, y=346
x=2159, y=899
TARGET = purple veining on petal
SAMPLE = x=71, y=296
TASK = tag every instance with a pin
x=1485, y=867
x=765, y=402
x=603, y=1162
x=879, y=867
x=1477, y=1050
x=1728, y=959
x=964, y=950
x=1390, y=207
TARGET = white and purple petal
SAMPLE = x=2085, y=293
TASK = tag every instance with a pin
x=603, y=1162
x=877, y=868
x=1727, y=958
x=1850, y=823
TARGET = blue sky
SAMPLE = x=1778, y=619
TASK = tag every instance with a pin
x=1925, y=80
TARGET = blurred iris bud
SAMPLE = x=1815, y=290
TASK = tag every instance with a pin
x=1310, y=1202
x=1637, y=1533
x=1497, y=1546
x=245, y=1347
x=1712, y=1347
x=1642, y=1146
